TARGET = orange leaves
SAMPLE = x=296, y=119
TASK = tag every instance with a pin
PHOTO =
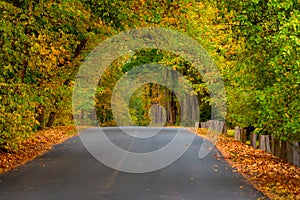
x=33, y=147
x=274, y=177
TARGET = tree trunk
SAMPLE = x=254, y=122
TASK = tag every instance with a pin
x=289, y=152
x=40, y=117
x=51, y=119
x=173, y=110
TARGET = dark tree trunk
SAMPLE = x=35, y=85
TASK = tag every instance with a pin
x=40, y=117
x=51, y=119
x=173, y=110
x=249, y=129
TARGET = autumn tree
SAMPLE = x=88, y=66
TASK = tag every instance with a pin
x=42, y=45
x=266, y=76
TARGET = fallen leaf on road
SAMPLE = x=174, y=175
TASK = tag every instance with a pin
x=33, y=147
x=272, y=176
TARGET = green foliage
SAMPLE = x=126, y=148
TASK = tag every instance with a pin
x=149, y=94
x=42, y=45
x=112, y=12
x=255, y=44
x=17, y=114
x=138, y=113
x=267, y=73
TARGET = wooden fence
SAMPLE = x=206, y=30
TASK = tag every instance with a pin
x=287, y=150
x=219, y=126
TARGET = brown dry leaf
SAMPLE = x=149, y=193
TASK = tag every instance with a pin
x=272, y=176
x=33, y=147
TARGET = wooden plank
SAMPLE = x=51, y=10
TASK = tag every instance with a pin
x=253, y=139
x=237, y=134
x=267, y=140
x=197, y=125
x=272, y=144
x=224, y=130
x=277, y=147
x=202, y=125
x=283, y=152
x=296, y=153
x=262, y=143
x=243, y=133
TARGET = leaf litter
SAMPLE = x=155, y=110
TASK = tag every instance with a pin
x=41, y=142
x=273, y=176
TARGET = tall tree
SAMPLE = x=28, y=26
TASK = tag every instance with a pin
x=267, y=72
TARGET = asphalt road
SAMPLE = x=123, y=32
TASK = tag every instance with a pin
x=69, y=172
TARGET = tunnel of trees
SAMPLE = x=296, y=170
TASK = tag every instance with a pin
x=255, y=45
x=150, y=94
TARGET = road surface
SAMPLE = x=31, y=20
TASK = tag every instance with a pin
x=69, y=172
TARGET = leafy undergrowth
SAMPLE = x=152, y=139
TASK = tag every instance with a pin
x=274, y=177
x=33, y=147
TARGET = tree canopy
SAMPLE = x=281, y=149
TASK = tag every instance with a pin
x=255, y=44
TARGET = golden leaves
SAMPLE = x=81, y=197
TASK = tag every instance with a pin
x=35, y=146
x=269, y=174
x=272, y=176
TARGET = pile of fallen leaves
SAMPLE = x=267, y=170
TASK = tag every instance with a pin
x=36, y=146
x=269, y=174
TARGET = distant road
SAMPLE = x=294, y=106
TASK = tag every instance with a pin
x=69, y=172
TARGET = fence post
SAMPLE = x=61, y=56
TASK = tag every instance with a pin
x=218, y=126
x=264, y=143
x=224, y=130
x=267, y=140
x=243, y=133
x=292, y=149
x=272, y=145
x=253, y=139
x=237, y=134
x=208, y=124
x=296, y=153
x=196, y=125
